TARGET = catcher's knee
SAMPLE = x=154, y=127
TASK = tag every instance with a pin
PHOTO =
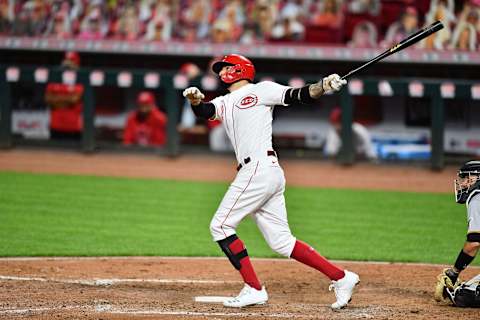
x=282, y=244
x=234, y=249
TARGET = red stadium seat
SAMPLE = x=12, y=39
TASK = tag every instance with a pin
x=390, y=12
x=323, y=35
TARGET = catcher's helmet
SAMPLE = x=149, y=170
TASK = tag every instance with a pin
x=243, y=68
x=467, y=183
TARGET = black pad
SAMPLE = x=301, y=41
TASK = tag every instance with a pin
x=301, y=95
x=467, y=297
x=473, y=237
x=234, y=258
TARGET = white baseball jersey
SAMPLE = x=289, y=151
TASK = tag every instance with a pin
x=473, y=213
x=258, y=187
x=246, y=115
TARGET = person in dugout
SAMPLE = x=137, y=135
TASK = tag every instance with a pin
x=147, y=124
x=65, y=103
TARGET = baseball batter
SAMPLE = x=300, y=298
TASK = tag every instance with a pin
x=467, y=190
x=258, y=188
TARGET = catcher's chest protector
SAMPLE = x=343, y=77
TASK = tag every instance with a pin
x=468, y=295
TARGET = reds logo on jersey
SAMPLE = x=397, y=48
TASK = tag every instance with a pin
x=247, y=102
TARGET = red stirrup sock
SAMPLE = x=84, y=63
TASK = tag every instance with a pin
x=246, y=270
x=305, y=254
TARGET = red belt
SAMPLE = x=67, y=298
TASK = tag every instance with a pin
x=248, y=159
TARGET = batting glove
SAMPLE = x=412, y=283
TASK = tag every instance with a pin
x=333, y=83
x=194, y=95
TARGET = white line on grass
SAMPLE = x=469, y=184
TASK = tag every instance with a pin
x=107, y=282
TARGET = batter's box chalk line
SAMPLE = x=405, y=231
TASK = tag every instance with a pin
x=211, y=299
x=109, y=282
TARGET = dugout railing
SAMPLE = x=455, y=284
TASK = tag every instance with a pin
x=437, y=90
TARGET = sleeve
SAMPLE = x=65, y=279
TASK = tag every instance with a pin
x=273, y=93
x=219, y=105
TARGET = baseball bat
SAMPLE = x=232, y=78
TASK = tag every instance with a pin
x=405, y=43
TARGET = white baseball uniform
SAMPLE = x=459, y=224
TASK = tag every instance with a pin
x=258, y=188
x=473, y=212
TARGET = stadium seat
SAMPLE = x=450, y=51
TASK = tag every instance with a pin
x=323, y=35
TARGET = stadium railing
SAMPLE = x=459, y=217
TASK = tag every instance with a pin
x=437, y=90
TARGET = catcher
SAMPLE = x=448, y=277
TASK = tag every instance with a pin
x=449, y=286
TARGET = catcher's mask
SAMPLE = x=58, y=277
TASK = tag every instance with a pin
x=242, y=68
x=467, y=183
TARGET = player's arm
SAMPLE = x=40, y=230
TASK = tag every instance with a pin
x=200, y=109
x=309, y=93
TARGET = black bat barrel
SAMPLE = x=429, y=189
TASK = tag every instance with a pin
x=405, y=43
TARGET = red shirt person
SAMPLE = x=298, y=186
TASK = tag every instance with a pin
x=65, y=102
x=146, y=125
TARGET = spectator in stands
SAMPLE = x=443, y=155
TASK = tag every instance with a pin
x=6, y=16
x=261, y=21
x=159, y=30
x=442, y=10
x=145, y=126
x=329, y=14
x=371, y=7
x=364, y=35
x=59, y=27
x=288, y=28
x=406, y=25
x=65, y=102
x=295, y=8
x=234, y=13
x=221, y=31
x=195, y=20
x=465, y=36
x=361, y=138
x=94, y=26
x=31, y=21
x=128, y=27
x=468, y=7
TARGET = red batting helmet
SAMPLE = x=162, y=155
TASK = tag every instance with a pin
x=145, y=97
x=243, y=68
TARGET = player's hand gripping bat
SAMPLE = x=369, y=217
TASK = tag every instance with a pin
x=407, y=42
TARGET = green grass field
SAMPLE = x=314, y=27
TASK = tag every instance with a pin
x=60, y=215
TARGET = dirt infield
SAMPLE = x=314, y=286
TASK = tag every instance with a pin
x=165, y=288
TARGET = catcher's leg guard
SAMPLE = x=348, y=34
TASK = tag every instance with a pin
x=467, y=297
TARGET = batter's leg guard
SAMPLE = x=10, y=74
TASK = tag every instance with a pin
x=234, y=250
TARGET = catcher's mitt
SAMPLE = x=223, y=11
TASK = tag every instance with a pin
x=444, y=287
